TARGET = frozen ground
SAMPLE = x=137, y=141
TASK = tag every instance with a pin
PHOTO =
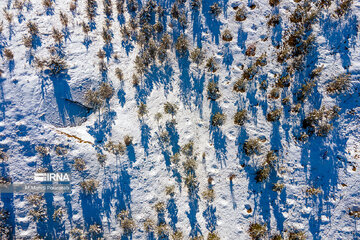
x=35, y=111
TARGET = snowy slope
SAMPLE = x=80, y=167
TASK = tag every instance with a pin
x=34, y=111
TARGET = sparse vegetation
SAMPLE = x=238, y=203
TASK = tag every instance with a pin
x=257, y=231
x=218, y=119
x=240, y=117
x=89, y=186
x=339, y=84
x=252, y=146
x=213, y=91
x=274, y=115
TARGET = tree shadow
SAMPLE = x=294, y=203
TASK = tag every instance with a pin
x=197, y=28
x=91, y=209
x=8, y=203
x=145, y=136
x=210, y=217
x=341, y=35
x=173, y=211
x=199, y=82
x=242, y=37
x=217, y=136
x=211, y=21
x=276, y=36
x=193, y=210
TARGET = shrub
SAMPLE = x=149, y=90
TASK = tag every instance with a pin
x=197, y=56
x=312, y=191
x=64, y=19
x=343, y=8
x=274, y=3
x=240, y=117
x=257, y=230
x=39, y=214
x=274, y=93
x=250, y=72
x=240, y=14
x=324, y=129
x=175, y=159
x=252, y=146
x=57, y=35
x=95, y=229
x=354, y=213
x=262, y=174
x=227, y=36
x=3, y=156
x=209, y=194
x=297, y=235
x=218, y=119
x=285, y=101
x=305, y=90
x=195, y=4
x=58, y=214
x=170, y=108
x=43, y=151
x=162, y=230
x=61, y=150
x=149, y=225
x=274, y=115
x=182, y=44
x=175, y=11
x=270, y=158
x=79, y=164
x=56, y=65
x=164, y=137
x=170, y=190
x=159, y=207
x=177, y=235
x=339, y=84
x=77, y=234
x=276, y=237
x=274, y=20
x=8, y=54
x=261, y=61
x=215, y=10
x=33, y=28
x=278, y=187
x=115, y=148
x=213, y=91
x=36, y=200
x=128, y=140
x=250, y=50
x=89, y=186
x=317, y=72
x=188, y=149
x=213, y=236
x=119, y=74
x=240, y=85
x=47, y=3
x=101, y=158
x=92, y=99
x=191, y=182
x=142, y=109
x=211, y=65
x=190, y=165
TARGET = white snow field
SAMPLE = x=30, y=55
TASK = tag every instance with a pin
x=287, y=169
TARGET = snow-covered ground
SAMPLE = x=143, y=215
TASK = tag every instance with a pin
x=36, y=111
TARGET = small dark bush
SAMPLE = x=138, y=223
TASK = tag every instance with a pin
x=213, y=91
x=274, y=115
x=240, y=117
x=257, y=231
x=252, y=146
x=218, y=119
